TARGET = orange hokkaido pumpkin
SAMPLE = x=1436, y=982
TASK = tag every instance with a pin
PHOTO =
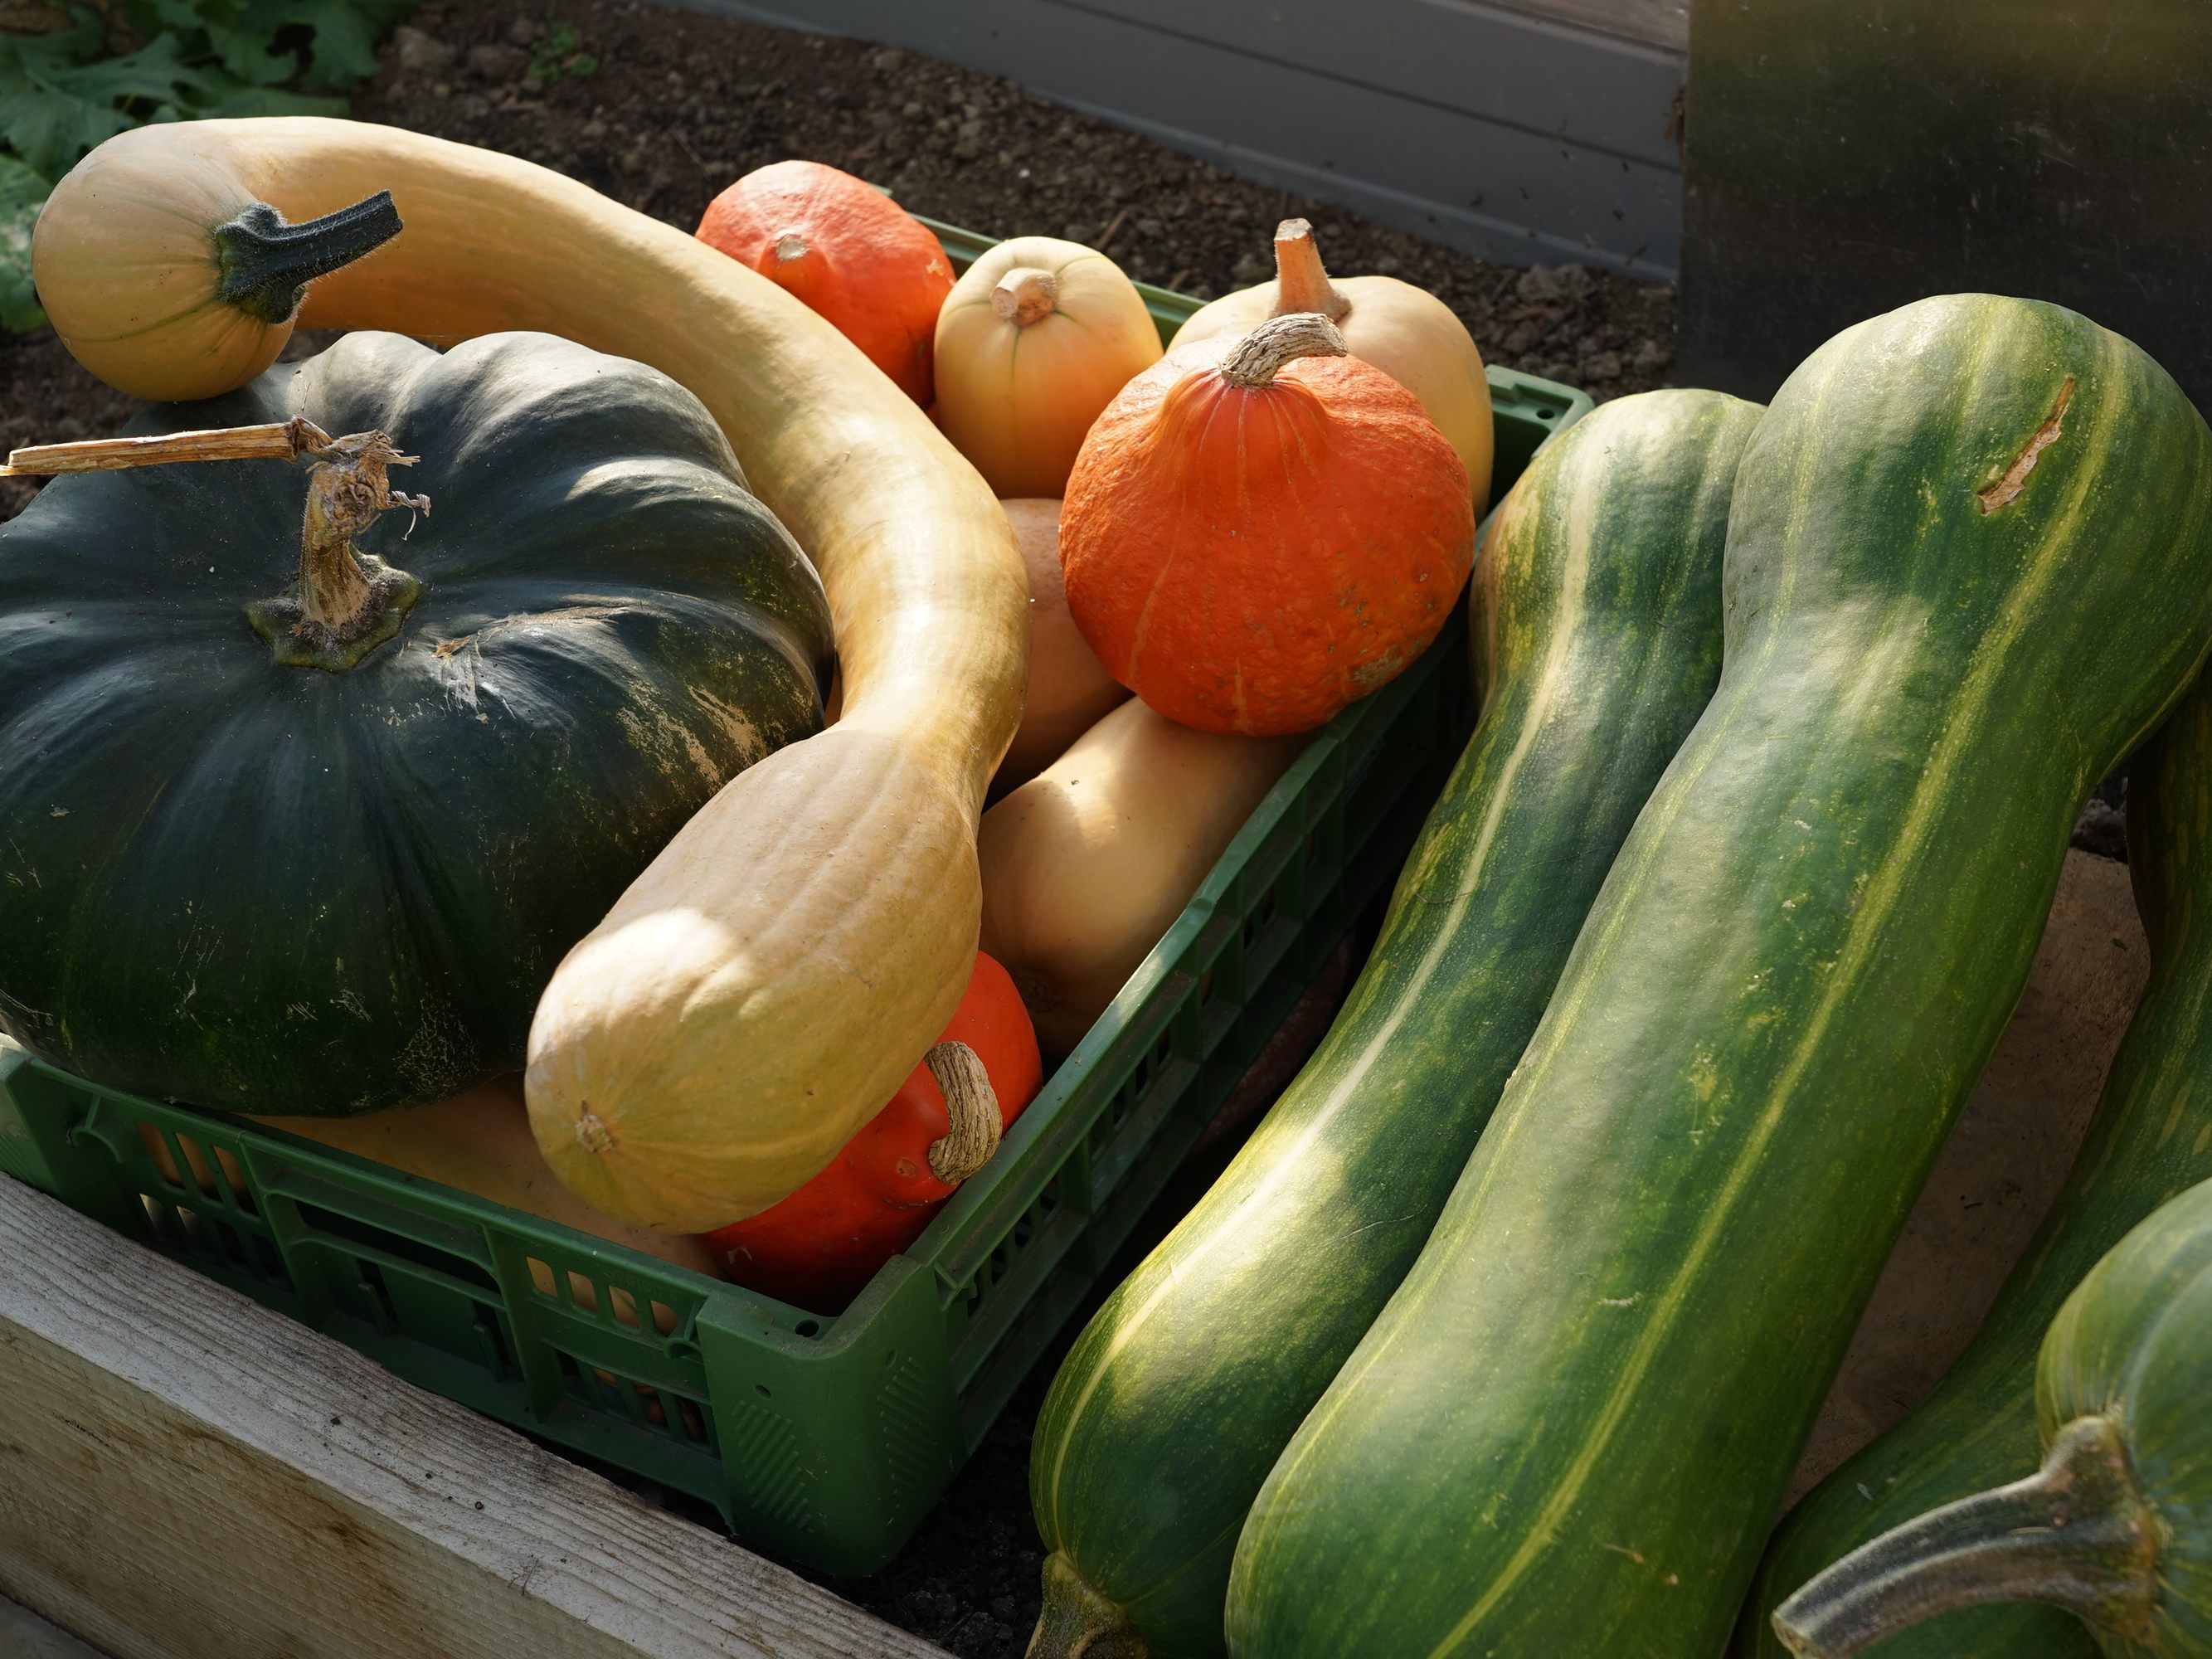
x=818, y=1247
x=1262, y=530
x=845, y=249
x=1405, y=331
x=1034, y=339
x=1069, y=691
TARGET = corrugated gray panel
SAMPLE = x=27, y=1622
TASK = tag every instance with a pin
x=1509, y=135
x=1479, y=60
x=1655, y=22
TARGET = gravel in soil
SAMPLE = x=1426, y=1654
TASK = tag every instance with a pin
x=660, y=108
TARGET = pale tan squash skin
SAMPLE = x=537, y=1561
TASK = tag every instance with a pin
x=1069, y=691
x=1407, y=332
x=1088, y=863
x=1016, y=399
x=765, y=985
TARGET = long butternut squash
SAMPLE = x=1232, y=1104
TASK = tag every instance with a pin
x=760, y=991
x=1091, y=861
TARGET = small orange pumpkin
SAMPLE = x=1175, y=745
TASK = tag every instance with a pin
x=817, y=1247
x=1260, y=532
x=849, y=251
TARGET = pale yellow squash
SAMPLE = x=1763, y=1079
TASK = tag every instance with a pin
x=1405, y=331
x=1069, y=691
x=1087, y=864
x=769, y=981
x=1034, y=339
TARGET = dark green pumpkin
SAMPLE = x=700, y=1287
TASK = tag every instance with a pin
x=270, y=888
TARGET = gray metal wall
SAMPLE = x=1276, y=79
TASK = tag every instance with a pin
x=1515, y=131
x=1846, y=156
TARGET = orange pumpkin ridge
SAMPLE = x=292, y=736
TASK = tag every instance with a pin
x=847, y=250
x=1260, y=532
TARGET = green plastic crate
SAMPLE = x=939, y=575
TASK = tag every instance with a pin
x=824, y=1439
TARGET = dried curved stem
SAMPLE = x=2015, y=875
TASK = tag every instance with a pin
x=1256, y=360
x=972, y=1106
x=2077, y=1535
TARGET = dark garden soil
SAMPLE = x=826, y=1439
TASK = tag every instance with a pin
x=677, y=104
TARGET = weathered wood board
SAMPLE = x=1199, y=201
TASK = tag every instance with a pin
x=185, y=1475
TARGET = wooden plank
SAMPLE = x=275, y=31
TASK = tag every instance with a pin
x=185, y=1475
x=1520, y=186
x=24, y=1635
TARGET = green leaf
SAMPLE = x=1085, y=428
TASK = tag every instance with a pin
x=61, y=95
x=22, y=193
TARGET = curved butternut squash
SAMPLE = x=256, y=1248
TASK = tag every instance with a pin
x=765, y=985
x=1090, y=862
x=1069, y=691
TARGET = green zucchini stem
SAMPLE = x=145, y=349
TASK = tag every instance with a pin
x=266, y=264
x=2077, y=1534
x=1078, y=1623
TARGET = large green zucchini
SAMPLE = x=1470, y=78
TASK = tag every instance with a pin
x=2116, y=1527
x=2151, y=1137
x=1969, y=566
x=1596, y=615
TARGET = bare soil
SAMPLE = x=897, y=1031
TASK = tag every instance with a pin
x=660, y=108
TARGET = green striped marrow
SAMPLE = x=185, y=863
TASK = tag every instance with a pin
x=2116, y=1527
x=2151, y=1137
x=1969, y=566
x=1597, y=617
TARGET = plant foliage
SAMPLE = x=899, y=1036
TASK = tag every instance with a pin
x=89, y=71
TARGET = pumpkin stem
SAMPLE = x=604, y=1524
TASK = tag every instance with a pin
x=280, y=441
x=1301, y=282
x=266, y=264
x=790, y=246
x=1026, y=294
x=971, y=1106
x=2076, y=1534
x=1256, y=360
x=343, y=603
x=1077, y=1622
